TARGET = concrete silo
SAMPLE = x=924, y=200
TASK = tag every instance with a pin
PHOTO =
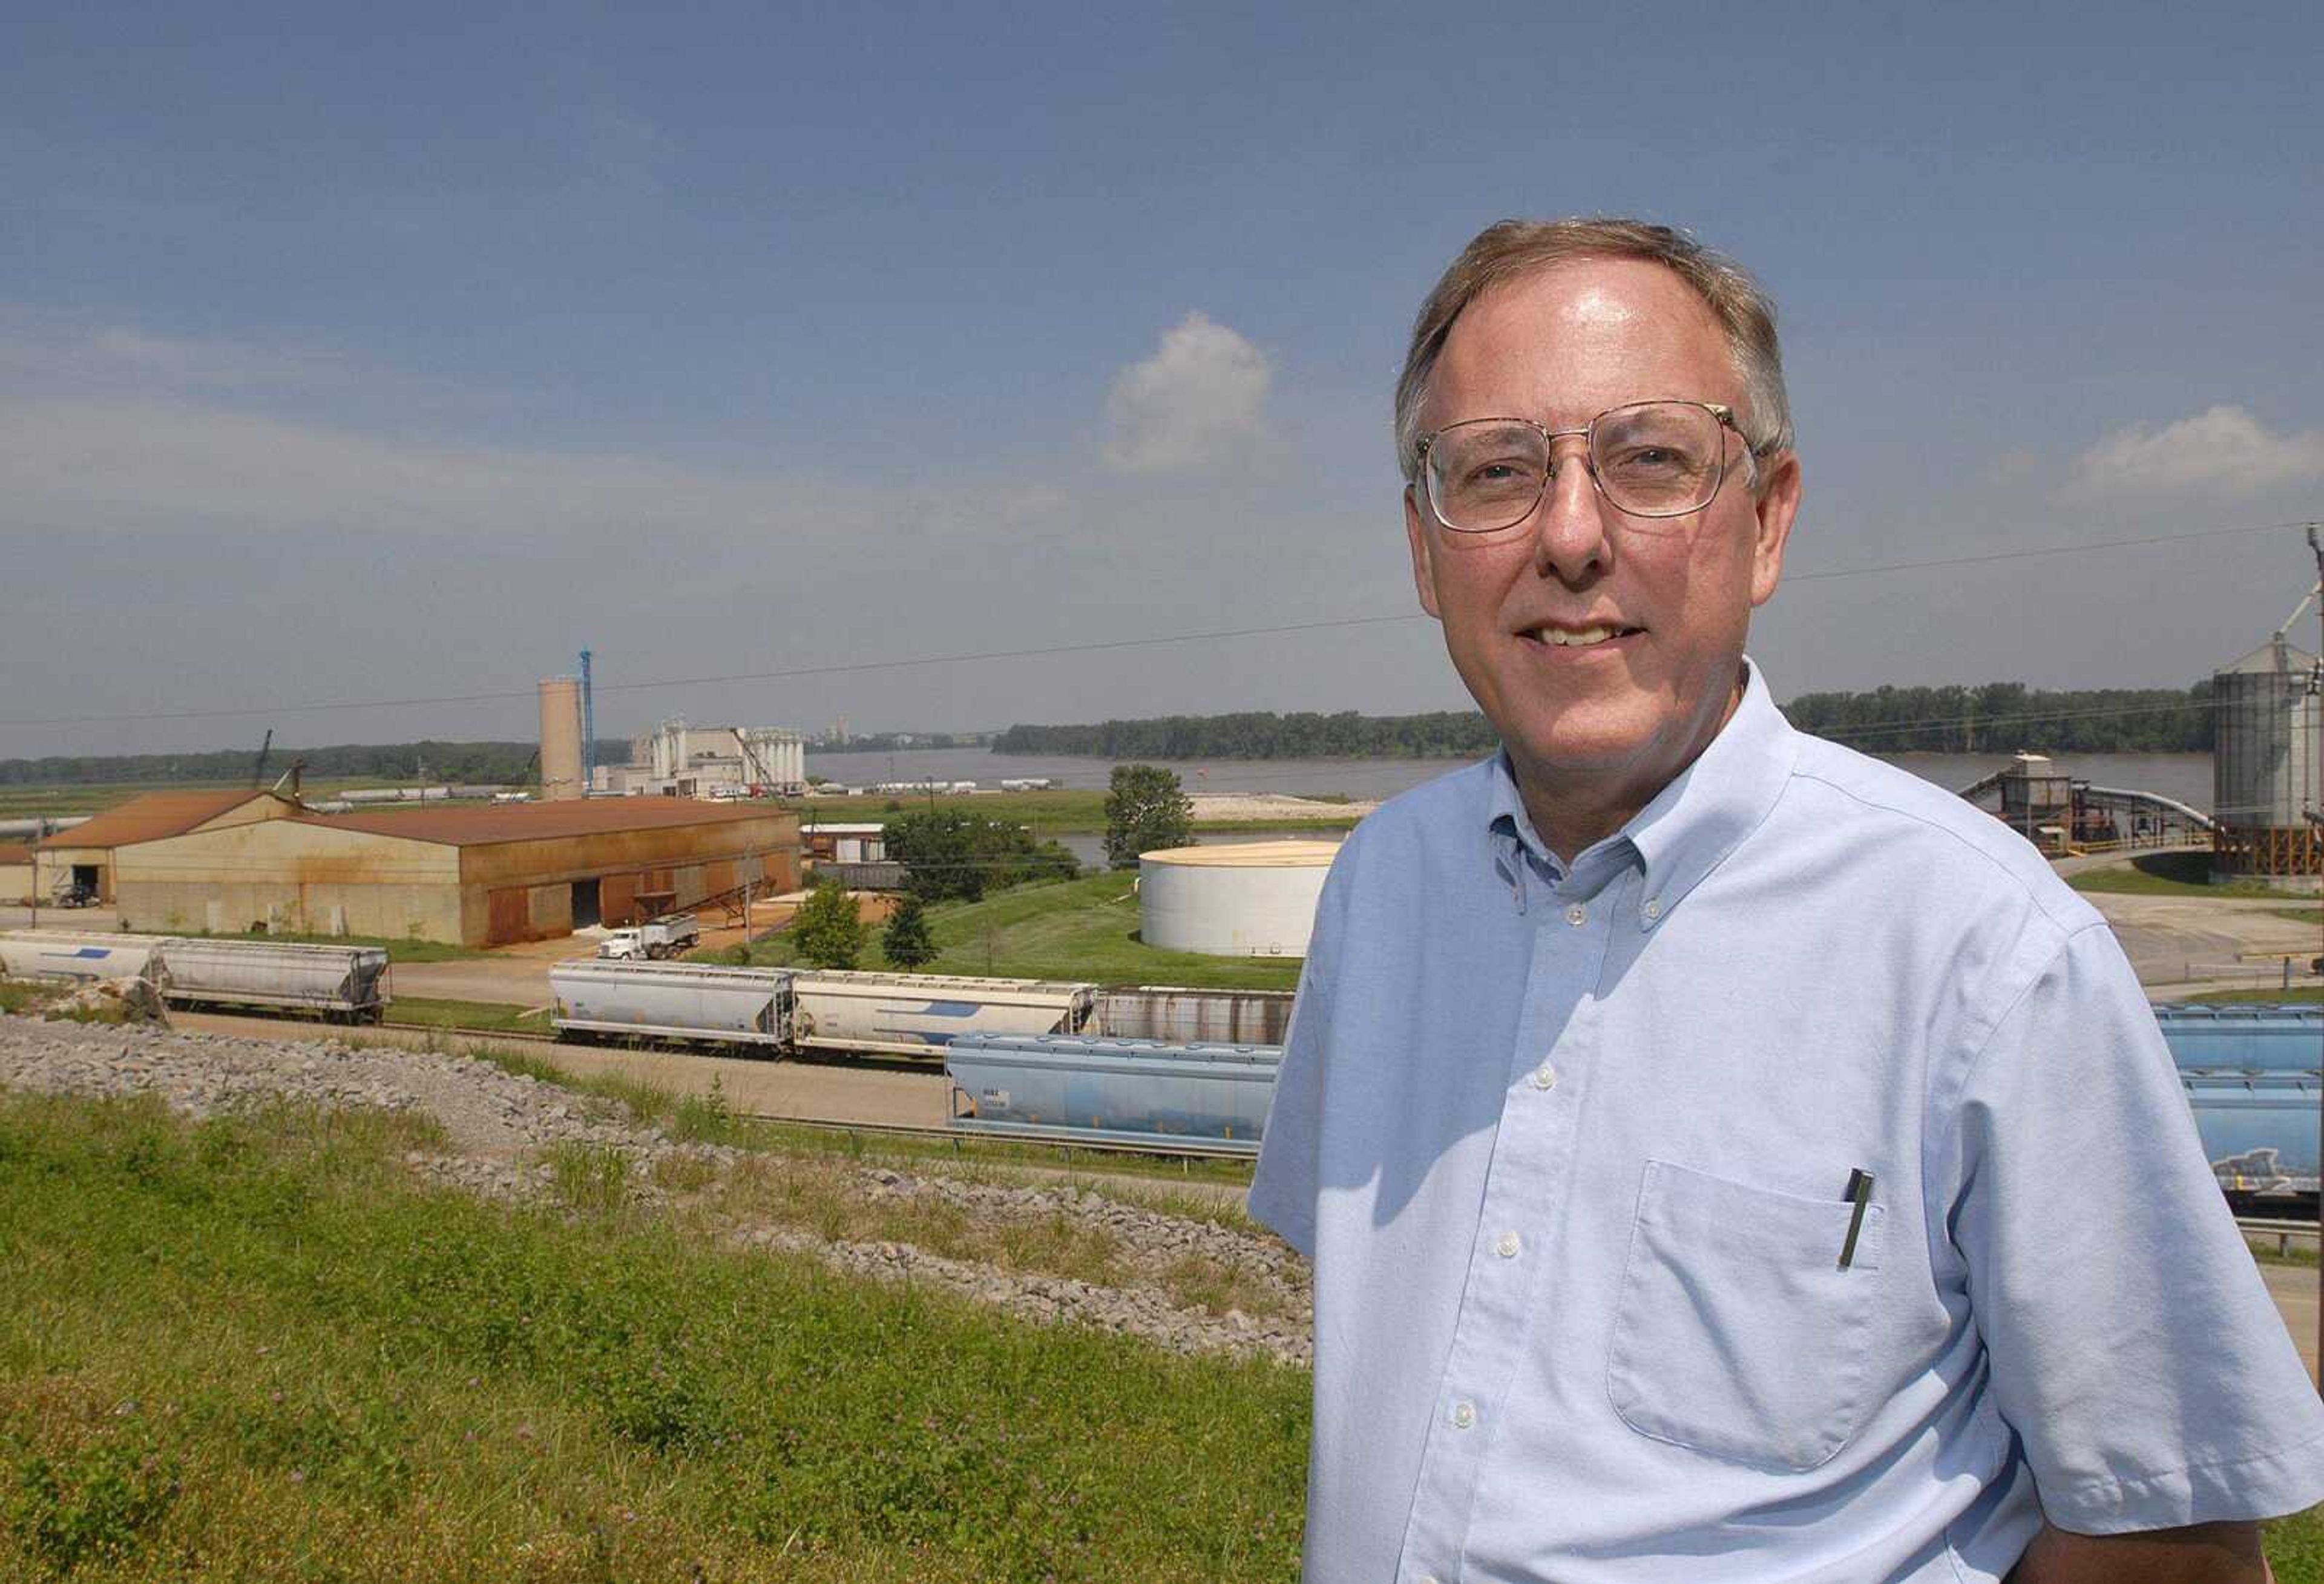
x=560, y=739
x=2267, y=725
x=1233, y=898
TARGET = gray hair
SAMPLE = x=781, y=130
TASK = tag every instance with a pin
x=1516, y=248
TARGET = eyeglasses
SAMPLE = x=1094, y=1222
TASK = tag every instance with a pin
x=1650, y=459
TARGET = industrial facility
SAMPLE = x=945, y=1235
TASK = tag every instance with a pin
x=79, y=864
x=677, y=760
x=2267, y=792
x=474, y=875
x=1233, y=899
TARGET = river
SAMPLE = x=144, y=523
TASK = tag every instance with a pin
x=2186, y=777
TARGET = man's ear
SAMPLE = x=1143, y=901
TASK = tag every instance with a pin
x=1424, y=572
x=1778, y=505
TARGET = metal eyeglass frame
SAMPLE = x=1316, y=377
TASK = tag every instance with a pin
x=1718, y=409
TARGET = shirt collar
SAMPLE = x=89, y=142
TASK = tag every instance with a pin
x=1690, y=826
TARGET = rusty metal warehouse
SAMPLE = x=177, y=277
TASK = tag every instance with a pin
x=476, y=876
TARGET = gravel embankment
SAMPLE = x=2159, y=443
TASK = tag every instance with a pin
x=498, y=1125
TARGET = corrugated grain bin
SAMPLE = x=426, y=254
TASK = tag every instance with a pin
x=56, y=954
x=1119, y=1090
x=674, y=1000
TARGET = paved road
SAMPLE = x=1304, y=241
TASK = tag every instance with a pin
x=2293, y=1288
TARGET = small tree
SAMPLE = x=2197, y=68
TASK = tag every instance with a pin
x=906, y=941
x=1145, y=810
x=828, y=930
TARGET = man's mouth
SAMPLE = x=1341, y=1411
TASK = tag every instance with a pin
x=1578, y=637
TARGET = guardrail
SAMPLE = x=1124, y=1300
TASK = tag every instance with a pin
x=2283, y=1231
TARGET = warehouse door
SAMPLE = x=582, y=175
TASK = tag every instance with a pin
x=584, y=904
x=508, y=919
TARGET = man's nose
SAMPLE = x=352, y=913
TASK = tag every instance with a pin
x=1570, y=541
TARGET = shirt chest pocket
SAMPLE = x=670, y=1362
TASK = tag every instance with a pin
x=1736, y=1331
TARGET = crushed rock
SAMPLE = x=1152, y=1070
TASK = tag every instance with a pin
x=498, y=1123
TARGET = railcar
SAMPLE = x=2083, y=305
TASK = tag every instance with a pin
x=690, y=1002
x=1114, y=1090
x=1182, y=1015
x=922, y=1013
x=57, y=955
x=2254, y=1077
x=340, y=981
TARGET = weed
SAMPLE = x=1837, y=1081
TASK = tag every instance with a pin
x=591, y=1179
x=93, y=1504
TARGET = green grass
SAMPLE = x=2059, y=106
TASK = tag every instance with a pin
x=2298, y=914
x=251, y=1349
x=2183, y=873
x=1084, y=929
x=443, y=1012
x=399, y=948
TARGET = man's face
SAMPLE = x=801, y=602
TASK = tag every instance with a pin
x=1619, y=717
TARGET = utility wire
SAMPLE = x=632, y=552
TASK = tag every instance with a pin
x=794, y=673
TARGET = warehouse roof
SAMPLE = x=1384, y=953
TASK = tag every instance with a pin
x=538, y=822
x=154, y=815
x=10, y=852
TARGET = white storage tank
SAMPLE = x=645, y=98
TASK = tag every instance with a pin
x=1234, y=898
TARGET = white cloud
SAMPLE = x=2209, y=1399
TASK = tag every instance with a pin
x=1201, y=398
x=52, y=352
x=2223, y=448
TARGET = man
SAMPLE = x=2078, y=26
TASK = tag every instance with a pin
x=1725, y=1157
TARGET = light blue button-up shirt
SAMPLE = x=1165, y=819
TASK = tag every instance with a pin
x=1570, y=1149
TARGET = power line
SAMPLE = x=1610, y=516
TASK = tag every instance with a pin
x=796, y=673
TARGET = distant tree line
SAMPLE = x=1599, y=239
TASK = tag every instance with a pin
x=897, y=742
x=470, y=763
x=1998, y=717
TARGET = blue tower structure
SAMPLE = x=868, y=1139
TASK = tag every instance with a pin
x=588, y=729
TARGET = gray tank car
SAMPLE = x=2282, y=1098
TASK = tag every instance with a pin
x=697, y=1002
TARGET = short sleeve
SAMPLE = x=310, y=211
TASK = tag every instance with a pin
x=1283, y=1189
x=2133, y=1344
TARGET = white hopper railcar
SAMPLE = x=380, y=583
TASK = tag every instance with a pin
x=58, y=954
x=342, y=981
x=673, y=1000
x=918, y=1014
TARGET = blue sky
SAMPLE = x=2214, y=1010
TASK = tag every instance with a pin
x=358, y=354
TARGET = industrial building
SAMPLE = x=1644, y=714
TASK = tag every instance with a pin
x=15, y=873
x=2267, y=788
x=81, y=860
x=476, y=876
x=677, y=760
x=1232, y=899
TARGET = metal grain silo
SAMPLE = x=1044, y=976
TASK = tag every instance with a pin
x=560, y=739
x=1232, y=899
x=2267, y=722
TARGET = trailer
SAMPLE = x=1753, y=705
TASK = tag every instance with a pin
x=916, y=1014
x=689, y=1001
x=56, y=954
x=1112, y=1091
x=656, y=938
x=347, y=983
x=1180, y=1016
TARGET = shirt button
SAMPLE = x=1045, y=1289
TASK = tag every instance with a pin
x=1507, y=1245
x=1464, y=1414
x=1577, y=915
x=1654, y=908
x=1544, y=1076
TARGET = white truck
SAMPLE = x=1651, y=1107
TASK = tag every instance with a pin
x=656, y=938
